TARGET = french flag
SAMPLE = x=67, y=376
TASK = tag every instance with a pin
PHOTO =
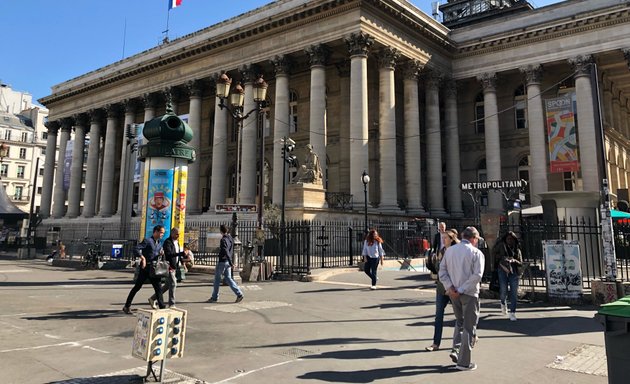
x=174, y=4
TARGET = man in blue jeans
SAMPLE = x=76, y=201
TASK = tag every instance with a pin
x=224, y=267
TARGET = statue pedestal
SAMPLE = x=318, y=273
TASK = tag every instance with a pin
x=305, y=196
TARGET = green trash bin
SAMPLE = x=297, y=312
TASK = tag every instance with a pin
x=615, y=317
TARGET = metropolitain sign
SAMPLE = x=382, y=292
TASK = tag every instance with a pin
x=491, y=185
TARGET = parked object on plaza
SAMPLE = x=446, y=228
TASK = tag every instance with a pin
x=461, y=270
x=615, y=317
x=509, y=266
x=373, y=253
x=441, y=298
x=159, y=335
x=224, y=267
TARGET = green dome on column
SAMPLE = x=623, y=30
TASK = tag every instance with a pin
x=167, y=136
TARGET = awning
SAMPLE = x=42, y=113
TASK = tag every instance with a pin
x=615, y=214
x=531, y=211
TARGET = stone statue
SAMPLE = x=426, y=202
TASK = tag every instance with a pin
x=310, y=171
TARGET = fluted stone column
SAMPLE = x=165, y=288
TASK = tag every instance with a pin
x=537, y=133
x=249, y=141
x=193, y=201
x=435, y=187
x=318, y=54
x=219, y=155
x=358, y=45
x=413, y=154
x=453, y=162
x=109, y=162
x=387, y=126
x=280, y=123
x=130, y=106
x=149, y=100
x=587, y=133
x=49, y=169
x=343, y=70
x=492, y=136
x=76, y=170
x=91, y=175
x=59, y=203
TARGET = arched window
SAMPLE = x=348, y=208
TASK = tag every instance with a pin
x=482, y=175
x=293, y=111
x=233, y=177
x=520, y=108
x=523, y=174
x=480, y=123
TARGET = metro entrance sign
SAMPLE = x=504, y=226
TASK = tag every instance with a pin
x=493, y=185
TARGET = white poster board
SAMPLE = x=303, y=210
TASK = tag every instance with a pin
x=562, y=265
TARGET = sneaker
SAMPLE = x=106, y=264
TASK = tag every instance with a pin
x=512, y=316
x=373, y=287
x=503, y=309
x=433, y=348
x=153, y=303
x=239, y=299
x=454, y=355
x=470, y=367
x=126, y=310
x=212, y=300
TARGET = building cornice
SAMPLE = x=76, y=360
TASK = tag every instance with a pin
x=235, y=31
x=549, y=31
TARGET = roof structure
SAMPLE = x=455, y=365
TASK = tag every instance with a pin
x=9, y=212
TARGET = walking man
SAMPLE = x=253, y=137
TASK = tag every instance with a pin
x=224, y=267
x=460, y=273
x=172, y=254
x=148, y=250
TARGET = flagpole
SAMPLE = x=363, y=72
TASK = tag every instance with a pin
x=168, y=15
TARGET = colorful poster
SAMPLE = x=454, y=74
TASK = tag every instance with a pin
x=179, y=206
x=561, y=132
x=144, y=197
x=562, y=264
x=160, y=200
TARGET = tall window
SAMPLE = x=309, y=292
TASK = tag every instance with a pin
x=235, y=127
x=41, y=171
x=569, y=182
x=232, y=189
x=17, y=194
x=24, y=137
x=7, y=134
x=4, y=170
x=22, y=153
x=520, y=108
x=20, y=172
x=293, y=111
x=523, y=174
x=44, y=135
x=482, y=175
x=480, y=123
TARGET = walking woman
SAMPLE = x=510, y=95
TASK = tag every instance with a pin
x=509, y=264
x=372, y=253
x=441, y=298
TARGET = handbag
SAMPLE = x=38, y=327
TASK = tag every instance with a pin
x=159, y=268
x=494, y=282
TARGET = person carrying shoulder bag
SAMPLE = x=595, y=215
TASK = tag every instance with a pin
x=509, y=266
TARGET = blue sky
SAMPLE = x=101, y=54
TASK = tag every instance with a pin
x=47, y=42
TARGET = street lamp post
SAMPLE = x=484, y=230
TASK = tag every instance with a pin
x=365, y=179
x=288, y=146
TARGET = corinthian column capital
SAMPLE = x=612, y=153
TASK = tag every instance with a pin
x=488, y=81
x=359, y=44
x=194, y=88
x=411, y=69
x=318, y=54
x=450, y=87
x=281, y=65
x=582, y=65
x=532, y=73
x=387, y=57
x=52, y=126
x=432, y=78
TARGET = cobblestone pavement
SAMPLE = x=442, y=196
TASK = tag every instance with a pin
x=66, y=326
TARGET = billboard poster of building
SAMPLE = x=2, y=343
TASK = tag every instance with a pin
x=562, y=264
x=138, y=167
x=160, y=200
x=561, y=132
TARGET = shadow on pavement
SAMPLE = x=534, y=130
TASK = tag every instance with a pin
x=102, y=380
x=374, y=375
x=358, y=354
x=84, y=314
x=95, y=281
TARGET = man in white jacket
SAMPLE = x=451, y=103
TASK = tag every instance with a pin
x=460, y=272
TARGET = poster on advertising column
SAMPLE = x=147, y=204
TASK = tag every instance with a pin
x=562, y=264
x=562, y=136
x=179, y=206
x=160, y=199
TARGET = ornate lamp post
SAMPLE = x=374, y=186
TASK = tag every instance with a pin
x=365, y=179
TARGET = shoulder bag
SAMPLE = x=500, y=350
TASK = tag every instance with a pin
x=159, y=268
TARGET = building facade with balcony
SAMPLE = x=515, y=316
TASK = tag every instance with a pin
x=376, y=86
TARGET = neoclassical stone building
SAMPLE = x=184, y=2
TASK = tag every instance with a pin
x=373, y=85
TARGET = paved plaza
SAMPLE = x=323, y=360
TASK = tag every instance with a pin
x=63, y=325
